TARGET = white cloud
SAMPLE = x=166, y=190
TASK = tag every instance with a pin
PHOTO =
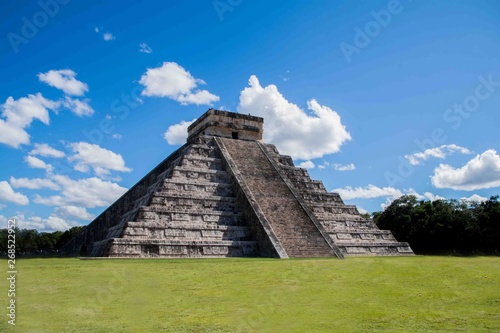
x=50, y=224
x=438, y=152
x=361, y=210
x=13, y=136
x=387, y=203
x=100, y=159
x=323, y=165
x=107, y=36
x=79, y=107
x=88, y=192
x=45, y=150
x=483, y=171
x=367, y=192
x=307, y=165
x=74, y=212
x=347, y=167
x=296, y=133
x=8, y=194
x=173, y=81
x=34, y=162
x=144, y=48
x=34, y=184
x=390, y=193
x=116, y=136
x=432, y=197
x=19, y=114
x=64, y=80
x=177, y=134
x=475, y=198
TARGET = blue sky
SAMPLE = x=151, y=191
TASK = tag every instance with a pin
x=376, y=99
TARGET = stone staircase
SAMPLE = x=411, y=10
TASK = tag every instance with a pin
x=349, y=231
x=289, y=221
x=189, y=212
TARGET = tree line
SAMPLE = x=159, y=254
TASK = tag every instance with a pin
x=431, y=227
x=30, y=242
x=444, y=226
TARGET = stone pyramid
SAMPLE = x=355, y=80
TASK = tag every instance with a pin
x=225, y=193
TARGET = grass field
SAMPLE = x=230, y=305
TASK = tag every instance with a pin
x=408, y=294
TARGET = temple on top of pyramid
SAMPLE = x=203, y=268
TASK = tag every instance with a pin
x=225, y=193
x=228, y=125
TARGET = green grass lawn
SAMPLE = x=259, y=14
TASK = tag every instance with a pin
x=407, y=294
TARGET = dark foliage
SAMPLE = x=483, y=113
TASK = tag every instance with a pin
x=444, y=226
x=33, y=243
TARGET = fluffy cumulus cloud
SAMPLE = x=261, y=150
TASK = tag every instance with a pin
x=368, y=192
x=173, y=81
x=177, y=134
x=324, y=165
x=482, y=172
x=64, y=80
x=307, y=165
x=7, y=194
x=361, y=210
x=302, y=135
x=101, y=160
x=341, y=167
x=431, y=196
x=79, y=107
x=337, y=166
x=19, y=114
x=73, y=212
x=50, y=224
x=34, y=183
x=438, y=152
x=45, y=150
x=390, y=193
x=88, y=192
x=475, y=198
x=36, y=163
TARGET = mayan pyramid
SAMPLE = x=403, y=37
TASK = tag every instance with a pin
x=225, y=193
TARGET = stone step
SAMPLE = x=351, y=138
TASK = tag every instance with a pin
x=176, y=229
x=165, y=215
x=202, y=162
x=343, y=238
x=134, y=247
x=310, y=187
x=188, y=225
x=360, y=230
x=198, y=232
x=192, y=195
x=227, y=204
x=220, y=189
x=185, y=211
x=216, y=176
x=396, y=248
x=203, y=150
x=334, y=212
x=333, y=226
x=290, y=223
x=319, y=198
